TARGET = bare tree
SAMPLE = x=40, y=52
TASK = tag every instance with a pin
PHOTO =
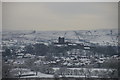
x=56, y=76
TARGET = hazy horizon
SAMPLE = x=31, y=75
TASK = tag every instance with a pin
x=59, y=16
x=62, y=30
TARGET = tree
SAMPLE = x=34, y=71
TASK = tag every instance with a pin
x=89, y=72
x=29, y=49
x=76, y=72
x=56, y=76
x=7, y=52
x=41, y=49
x=29, y=63
x=6, y=70
x=36, y=68
x=62, y=71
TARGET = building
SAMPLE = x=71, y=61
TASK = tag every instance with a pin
x=61, y=40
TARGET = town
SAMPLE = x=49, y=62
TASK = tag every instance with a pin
x=56, y=58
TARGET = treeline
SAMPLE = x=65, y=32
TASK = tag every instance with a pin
x=43, y=50
x=106, y=50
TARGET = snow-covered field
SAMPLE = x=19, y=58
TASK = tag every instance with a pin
x=39, y=75
x=94, y=73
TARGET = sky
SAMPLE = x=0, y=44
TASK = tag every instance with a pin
x=47, y=16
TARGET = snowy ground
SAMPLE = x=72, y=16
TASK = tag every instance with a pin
x=42, y=75
x=39, y=75
x=102, y=37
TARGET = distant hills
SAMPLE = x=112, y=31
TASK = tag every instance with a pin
x=101, y=37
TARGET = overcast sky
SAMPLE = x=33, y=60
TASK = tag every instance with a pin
x=59, y=15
